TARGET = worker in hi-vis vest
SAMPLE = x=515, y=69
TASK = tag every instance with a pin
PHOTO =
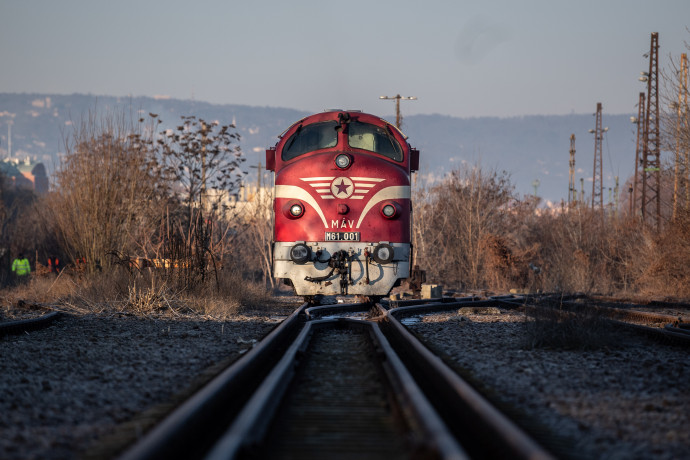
x=21, y=267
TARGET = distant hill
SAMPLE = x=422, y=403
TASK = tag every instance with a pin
x=528, y=147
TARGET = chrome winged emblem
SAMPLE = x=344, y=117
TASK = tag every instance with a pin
x=341, y=187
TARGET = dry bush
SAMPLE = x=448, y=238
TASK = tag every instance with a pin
x=250, y=251
x=457, y=221
x=45, y=290
x=501, y=263
x=22, y=229
x=233, y=295
x=580, y=250
x=469, y=232
x=101, y=292
x=663, y=262
x=106, y=190
x=148, y=292
x=625, y=244
x=571, y=252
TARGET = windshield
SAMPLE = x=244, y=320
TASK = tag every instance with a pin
x=309, y=138
x=375, y=139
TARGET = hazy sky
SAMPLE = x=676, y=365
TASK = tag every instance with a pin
x=460, y=58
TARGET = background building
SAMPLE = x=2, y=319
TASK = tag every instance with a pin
x=29, y=174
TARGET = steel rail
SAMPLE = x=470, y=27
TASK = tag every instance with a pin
x=681, y=331
x=625, y=318
x=250, y=426
x=412, y=302
x=337, y=309
x=185, y=431
x=30, y=324
x=480, y=428
x=231, y=415
x=616, y=311
x=434, y=307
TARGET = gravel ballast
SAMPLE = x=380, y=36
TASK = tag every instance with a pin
x=625, y=399
x=69, y=386
x=90, y=384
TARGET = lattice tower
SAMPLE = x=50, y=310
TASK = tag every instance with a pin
x=634, y=202
x=651, y=154
x=597, y=183
x=572, y=193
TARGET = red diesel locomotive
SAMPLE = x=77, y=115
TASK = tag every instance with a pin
x=342, y=205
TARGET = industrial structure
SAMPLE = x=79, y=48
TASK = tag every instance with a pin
x=651, y=150
x=597, y=175
x=635, y=189
x=681, y=166
x=572, y=193
x=25, y=174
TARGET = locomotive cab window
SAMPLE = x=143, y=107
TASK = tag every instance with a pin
x=375, y=139
x=309, y=138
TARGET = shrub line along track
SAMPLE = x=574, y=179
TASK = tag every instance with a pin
x=372, y=378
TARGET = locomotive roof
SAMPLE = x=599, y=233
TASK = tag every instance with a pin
x=280, y=136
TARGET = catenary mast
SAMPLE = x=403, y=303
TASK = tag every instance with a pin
x=651, y=152
x=597, y=176
x=639, y=121
x=572, y=193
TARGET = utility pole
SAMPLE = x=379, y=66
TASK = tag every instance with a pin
x=681, y=158
x=684, y=118
x=639, y=121
x=9, y=139
x=398, y=115
x=572, y=193
x=202, y=198
x=597, y=177
x=582, y=190
x=258, y=178
x=651, y=153
x=616, y=197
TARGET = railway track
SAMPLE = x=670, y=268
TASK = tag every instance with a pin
x=337, y=388
x=671, y=328
x=29, y=324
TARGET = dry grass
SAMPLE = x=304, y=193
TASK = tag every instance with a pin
x=48, y=290
x=143, y=293
x=664, y=263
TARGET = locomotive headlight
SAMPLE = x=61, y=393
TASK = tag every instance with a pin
x=300, y=253
x=384, y=253
x=296, y=210
x=388, y=210
x=343, y=161
x=293, y=209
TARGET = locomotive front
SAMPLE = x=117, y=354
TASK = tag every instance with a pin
x=342, y=205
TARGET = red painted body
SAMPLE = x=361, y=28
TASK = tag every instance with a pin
x=342, y=205
x=368, y=174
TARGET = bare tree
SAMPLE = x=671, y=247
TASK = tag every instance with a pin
x=106, y=189
x=199, y=156
x=200, y=161
x=462, y=218
x=675, y=127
